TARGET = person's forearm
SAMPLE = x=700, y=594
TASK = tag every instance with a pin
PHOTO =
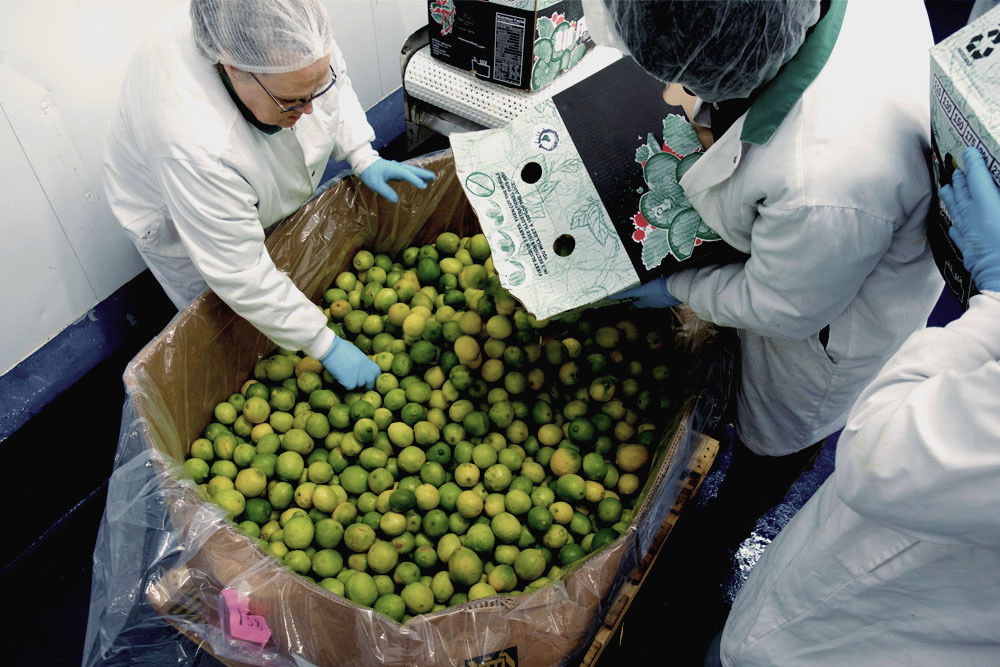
x=805, y=267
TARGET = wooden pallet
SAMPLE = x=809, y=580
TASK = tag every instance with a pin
x=701, y=461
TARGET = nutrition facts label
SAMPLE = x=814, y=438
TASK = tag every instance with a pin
x=508, y=51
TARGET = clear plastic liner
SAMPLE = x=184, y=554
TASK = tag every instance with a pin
x=166, y=559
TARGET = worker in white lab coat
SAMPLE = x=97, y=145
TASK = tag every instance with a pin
x=896, y=558
x=226, y=120
x=818, y=173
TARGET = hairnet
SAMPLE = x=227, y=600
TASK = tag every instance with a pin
x=262, y=36
x=718, y=49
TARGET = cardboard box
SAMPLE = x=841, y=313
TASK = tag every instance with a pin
x=579, y=197
x=522, y=44
x=965, y=111
x=172, y=387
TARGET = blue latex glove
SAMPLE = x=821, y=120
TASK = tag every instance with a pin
x=350, y=366
x=973, y=203
x=650, y=295
x=380, y=172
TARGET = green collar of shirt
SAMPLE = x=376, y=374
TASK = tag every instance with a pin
x=247, y=114
x=780, y=94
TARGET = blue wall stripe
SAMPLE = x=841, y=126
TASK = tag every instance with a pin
x=137, y=308
x=37, y=380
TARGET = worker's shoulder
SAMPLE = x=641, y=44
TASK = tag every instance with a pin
x=176, y=104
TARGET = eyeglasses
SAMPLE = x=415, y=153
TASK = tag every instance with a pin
x=307, y=102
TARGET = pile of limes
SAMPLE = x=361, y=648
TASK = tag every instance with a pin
x=494, y=451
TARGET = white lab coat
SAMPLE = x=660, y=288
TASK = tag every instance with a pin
x=195, y=185
x=896, y=559
x=832, y=211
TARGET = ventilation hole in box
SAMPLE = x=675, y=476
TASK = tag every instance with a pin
x=564, y=245
x=531, y=172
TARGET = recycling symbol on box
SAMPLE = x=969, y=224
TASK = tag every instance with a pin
x=973, y=47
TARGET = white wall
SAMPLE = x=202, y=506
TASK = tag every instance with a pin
x=61, y=64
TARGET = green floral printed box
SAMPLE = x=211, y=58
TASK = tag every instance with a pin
x=965, y=111
x=521, y=44
x=580, y=196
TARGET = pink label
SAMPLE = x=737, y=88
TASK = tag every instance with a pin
x=243, y=624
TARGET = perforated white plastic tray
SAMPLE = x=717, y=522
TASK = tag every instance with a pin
x=486, y=103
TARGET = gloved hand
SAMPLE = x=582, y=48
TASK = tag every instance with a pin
x=973, y=202
x=380, y=172
x=651, y=295
x=350, y=366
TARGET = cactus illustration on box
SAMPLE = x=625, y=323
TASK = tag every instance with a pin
x=443, y=12
x=666, y=223
x=557, y=48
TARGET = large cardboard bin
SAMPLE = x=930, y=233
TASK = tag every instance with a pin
x=161, y=548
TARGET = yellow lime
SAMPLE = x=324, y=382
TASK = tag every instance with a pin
x=469, y=504
x=251, y=482
x=465, y=567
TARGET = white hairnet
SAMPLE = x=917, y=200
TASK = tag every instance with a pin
x=262, y=36
x=718, y=49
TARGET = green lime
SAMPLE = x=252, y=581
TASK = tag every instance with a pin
x=469, y=504
x=418, y=598
x=411, y=458
x=298, y=532
x=497, y=477
x=442, y=587
x=603, y=537
x=280, y=495
x=198, y=469
x=402, y=500
x=480, y=538
x=328, y=533
x=435, y=523
x=382, y=557
x=433, y=473
x=447, y=243
x=392, y=523
x=529, y=564
x=501, y=579
x=571, y=552
x=297, y=440
x=411, y=413
x=354, y=479
x=481, y=590
x=327, y=563
x=251, y=482
x=476, y=423
x=465, y=567
x=359, y=537
x=392, y=606
x=609, y=510
x=425, y=556
x=298, y=561
x=466, y=475
x=517, y=501
x=580, y=524
x=361, y=589
x=506, y=527
x=439, y=453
